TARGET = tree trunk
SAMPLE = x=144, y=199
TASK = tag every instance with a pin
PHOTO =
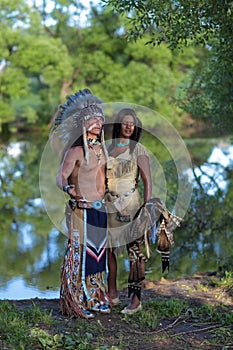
x=5, y=130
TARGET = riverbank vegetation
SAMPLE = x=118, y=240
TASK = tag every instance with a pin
x=191, y=313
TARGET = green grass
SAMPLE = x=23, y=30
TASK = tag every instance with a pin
x=31, y=329
x=225, y=282
x=37, y=329
x=15, y=324
x=155, y=310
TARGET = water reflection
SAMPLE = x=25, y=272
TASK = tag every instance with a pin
x=212, y=174
x=18, y=289
x=31, y=249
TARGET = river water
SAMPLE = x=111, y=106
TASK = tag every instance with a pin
x=32, y=246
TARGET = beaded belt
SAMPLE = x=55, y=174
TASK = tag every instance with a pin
x=84, y=204
x=126, y=194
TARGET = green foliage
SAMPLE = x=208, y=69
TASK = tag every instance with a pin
x=210, y=314
x=179, y=24
x=26, y=52
x=176, y=22
x=30, y=329
x=15, y=325
x=209, y=94
x=155, y=310
x=50, y=48
x=61, y=341
x=47, y=56
x=227, y=281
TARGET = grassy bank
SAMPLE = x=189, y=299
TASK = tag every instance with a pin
x=195, y=313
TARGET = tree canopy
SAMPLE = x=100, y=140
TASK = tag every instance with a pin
x=46, y=55
x=183, y=23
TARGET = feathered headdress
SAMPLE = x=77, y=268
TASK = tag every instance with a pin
x=70, y=121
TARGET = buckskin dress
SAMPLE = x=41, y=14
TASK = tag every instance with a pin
x=123, y=198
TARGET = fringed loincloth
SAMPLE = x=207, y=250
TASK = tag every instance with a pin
x=84, y=269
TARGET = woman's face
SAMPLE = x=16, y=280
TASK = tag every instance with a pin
x=127, y=126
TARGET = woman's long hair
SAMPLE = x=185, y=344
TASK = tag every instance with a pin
x=137, y=133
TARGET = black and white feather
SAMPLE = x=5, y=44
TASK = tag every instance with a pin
x=78, y=108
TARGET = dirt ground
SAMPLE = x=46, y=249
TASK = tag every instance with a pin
x=115, y=331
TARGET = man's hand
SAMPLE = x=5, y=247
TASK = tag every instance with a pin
x=70, y=189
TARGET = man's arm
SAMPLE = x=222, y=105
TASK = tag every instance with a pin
x=66, y=169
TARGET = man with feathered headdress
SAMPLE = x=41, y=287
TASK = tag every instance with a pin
x=82, y=177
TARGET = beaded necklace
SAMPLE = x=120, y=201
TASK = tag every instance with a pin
x=123, y=144
x=93, y=142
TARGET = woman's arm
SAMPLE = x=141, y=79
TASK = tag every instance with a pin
x=144, y=168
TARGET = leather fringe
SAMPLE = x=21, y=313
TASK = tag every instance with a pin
x=68, y=302
x=136, y=274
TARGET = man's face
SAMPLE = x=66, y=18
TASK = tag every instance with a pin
x=94, y=125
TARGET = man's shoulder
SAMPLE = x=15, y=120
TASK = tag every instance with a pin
x=75, y=151
x=76, y=148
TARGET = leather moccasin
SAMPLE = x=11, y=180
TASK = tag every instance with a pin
x=116, y=301
x=88, y=314
x=127, y=311
x=104, y=309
